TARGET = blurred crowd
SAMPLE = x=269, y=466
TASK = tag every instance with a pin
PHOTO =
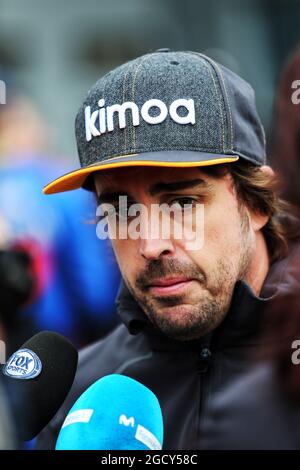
x=54, y=272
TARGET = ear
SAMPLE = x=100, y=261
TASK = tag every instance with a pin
x=268, y=171
x=258, y=220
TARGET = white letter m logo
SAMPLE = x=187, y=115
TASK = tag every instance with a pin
x=126, y=421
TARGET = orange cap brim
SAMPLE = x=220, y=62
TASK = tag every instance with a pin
x=75, y=179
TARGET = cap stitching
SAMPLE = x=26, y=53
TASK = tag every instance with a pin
x=220, y=105
x=213, y=155
x=205, y=59
x=216, y=67
x=104, y=94
x=124, y=86
x=210, y=150
x=133, y=93
x=229, y=108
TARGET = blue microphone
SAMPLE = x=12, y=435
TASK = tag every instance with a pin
x=114, y=413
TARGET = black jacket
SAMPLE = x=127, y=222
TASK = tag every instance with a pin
x=254, y=413
x=183, y=375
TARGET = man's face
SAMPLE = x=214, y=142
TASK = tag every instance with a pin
x=185, y=293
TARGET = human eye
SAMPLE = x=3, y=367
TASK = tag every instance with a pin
x=183, y=203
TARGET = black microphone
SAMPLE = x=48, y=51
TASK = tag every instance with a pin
x=40, y=375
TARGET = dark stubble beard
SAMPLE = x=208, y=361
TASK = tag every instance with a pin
x=214, y=299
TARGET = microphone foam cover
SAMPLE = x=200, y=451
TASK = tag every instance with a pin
x=41, y=394
x=115, y=413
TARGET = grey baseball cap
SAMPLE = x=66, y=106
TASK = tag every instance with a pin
x=165, y=109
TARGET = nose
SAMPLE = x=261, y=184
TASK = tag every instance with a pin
x=153, y=249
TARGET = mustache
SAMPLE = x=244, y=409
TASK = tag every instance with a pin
x=167, y=267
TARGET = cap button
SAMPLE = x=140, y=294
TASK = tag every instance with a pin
x=164, y=49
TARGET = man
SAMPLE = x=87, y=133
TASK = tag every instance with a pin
x=178, y=129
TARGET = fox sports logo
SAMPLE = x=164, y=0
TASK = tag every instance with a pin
x=23, y=364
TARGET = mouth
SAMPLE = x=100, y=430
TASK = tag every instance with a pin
x=170, y=285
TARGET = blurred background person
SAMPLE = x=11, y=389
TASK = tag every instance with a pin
x=74, y=276
x=16, y=285
x=262, y=409
x=7, y=432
